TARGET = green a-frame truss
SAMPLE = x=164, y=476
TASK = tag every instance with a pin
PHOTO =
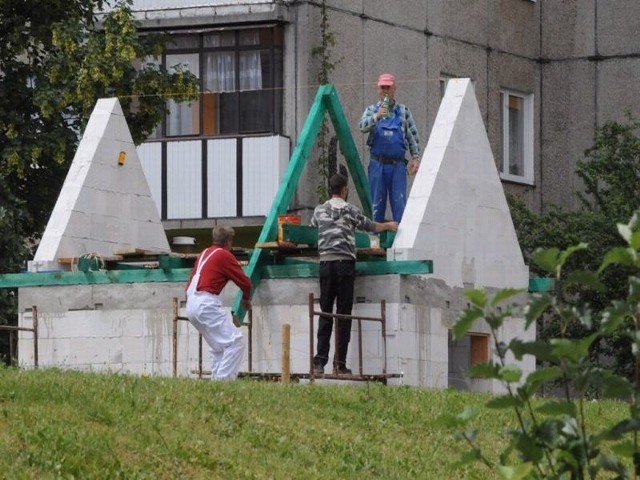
x=326, y=101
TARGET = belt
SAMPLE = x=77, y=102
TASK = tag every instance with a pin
x=386, y=160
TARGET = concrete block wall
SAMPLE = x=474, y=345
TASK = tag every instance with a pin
x=128, y=328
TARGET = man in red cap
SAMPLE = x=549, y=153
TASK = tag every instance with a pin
x=392, y=131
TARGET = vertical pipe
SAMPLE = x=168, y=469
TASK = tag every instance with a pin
x=199, y=356
x=360, y=346
x=11, y=354
x=286, y=358
x=250, y=327
x=35, y=336
x=384, y=335
x=174, y=337
x=311, y=372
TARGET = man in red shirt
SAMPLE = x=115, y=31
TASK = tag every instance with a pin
x=213, y=269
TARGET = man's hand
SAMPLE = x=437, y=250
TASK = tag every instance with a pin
x=382, y=113
x=413, y=166
x=393, y=226
x=246, y=304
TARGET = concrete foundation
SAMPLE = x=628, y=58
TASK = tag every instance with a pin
x=128, y=329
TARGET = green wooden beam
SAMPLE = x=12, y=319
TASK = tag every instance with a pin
x=46, y=279
x=348, y=147
x=287, y=188
x=310, y=269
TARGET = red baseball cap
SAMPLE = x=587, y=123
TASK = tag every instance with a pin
x=386, y=80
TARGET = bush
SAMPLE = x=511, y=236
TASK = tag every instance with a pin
x=552, y=439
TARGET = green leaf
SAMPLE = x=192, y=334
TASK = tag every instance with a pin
x=504, y=401
x=617, y=256
x=540, y=349
x=625, y=232
x=565, y=254
x=505, y=294
x=625, y=426
x=477, y=297
x=589, y=279
x=465, y=322
x=542, y=376
x=573, y=350
x=510, y=373
x=546, y=259
x=484, y=370
x=518, y=472
x=558, y=408
x=536, y=307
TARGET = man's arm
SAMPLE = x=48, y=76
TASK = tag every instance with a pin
x=368, y=119
x=381, y=227
x=413, y=140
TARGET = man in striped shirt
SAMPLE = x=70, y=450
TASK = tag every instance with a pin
x=337, y=222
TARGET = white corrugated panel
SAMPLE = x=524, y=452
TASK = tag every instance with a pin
x=184, y=179
x=221, y=178
x=150, y=155
x=264, y=160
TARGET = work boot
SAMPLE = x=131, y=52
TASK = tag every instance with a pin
x=318, y=369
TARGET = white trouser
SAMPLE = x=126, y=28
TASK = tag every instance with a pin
x=206, y=313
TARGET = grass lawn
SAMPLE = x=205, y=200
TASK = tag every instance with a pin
x=63, y=424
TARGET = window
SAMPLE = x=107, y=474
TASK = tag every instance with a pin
x=516, y=121
x=240, y=74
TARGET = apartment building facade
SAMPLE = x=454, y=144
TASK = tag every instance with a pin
x=546, y=75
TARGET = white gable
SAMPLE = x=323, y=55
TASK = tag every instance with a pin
x=103, y=206
x=456, y=213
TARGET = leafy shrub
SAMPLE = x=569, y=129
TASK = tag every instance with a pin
x=552, y=438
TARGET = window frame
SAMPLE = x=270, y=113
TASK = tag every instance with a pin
x=275, y=49
x=527, y=137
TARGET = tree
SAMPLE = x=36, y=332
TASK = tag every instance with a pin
x=57, y=58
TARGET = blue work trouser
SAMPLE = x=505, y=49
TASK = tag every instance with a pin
x=387, y=179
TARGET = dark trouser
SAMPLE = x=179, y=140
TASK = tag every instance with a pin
x=336, y=283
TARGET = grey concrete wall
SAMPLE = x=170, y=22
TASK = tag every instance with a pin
x=128, y=328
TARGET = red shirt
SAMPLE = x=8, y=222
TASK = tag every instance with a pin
x=221, y=267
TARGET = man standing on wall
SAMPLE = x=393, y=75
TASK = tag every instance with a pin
x=337, y=222
x=214, y=267
x=392, y=131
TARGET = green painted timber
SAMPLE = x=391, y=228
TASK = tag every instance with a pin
x=541, y=284
x=140, y=275
x=310, y=269
x=326, y=101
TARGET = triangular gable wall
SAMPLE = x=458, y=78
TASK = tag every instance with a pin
x=456, y=213
x=103, y=206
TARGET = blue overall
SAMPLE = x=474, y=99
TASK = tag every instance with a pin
x=387, y=167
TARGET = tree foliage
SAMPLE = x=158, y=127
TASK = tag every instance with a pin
x=57, y=58
x=610, y=172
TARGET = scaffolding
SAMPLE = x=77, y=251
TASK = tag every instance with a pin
x=278, y=376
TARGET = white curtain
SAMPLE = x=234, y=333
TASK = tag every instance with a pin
x=220, y=72
x=250, y=71
x=180, y=120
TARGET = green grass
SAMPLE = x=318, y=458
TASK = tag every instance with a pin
x=56, y=424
